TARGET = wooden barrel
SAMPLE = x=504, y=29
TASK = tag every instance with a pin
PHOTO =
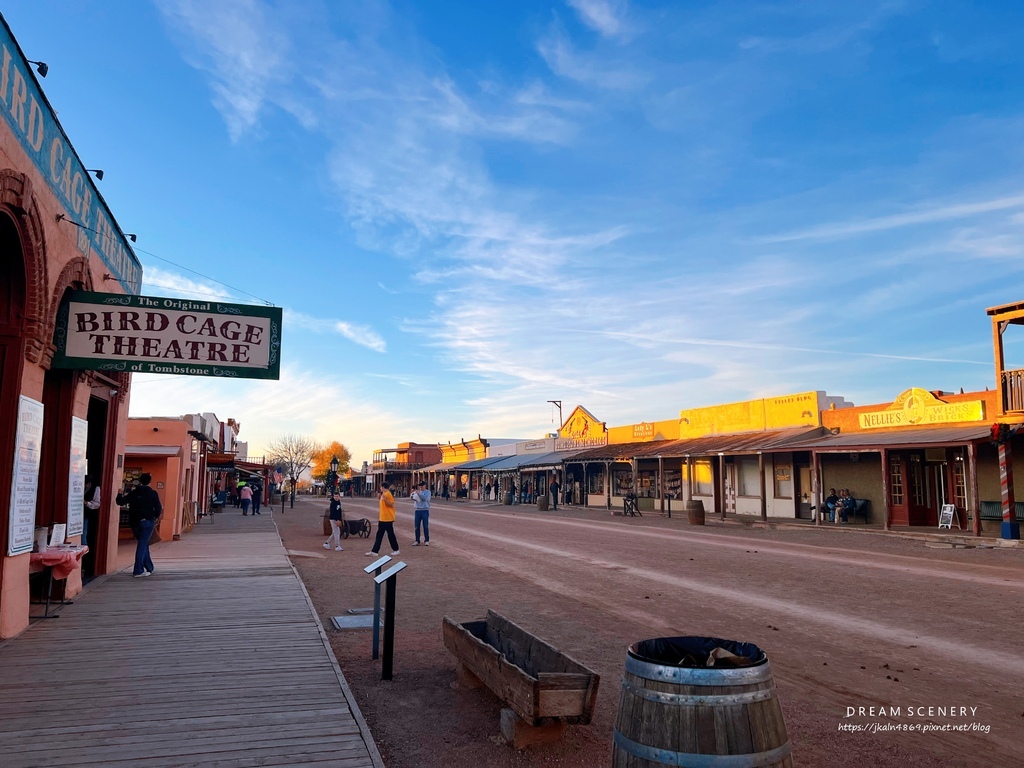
x=543, y=502
x=677, y=715
x=328, y=530
x=695, y=511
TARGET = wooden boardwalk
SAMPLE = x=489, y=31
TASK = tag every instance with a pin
x=217, y=660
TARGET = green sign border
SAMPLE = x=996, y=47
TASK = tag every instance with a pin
x=134, y=365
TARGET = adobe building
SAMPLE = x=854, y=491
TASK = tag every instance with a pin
x=56, y=425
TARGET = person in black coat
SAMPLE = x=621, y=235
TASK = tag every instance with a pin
x=144, y=509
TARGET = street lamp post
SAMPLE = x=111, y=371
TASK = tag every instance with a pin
x=332, y=476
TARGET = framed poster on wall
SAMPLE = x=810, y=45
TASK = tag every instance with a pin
x=25, y=477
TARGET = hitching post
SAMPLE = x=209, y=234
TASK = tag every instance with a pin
x=376, y=567
x=391, y=577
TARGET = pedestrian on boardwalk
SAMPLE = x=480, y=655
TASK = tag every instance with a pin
x=554, y=487
x=144, y=509
x=257, y=492
x=336, y=523
x=421, y=504
x=386, y=522
x=246, y=494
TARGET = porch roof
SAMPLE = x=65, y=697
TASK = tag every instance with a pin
x=710, y=445
x=913, y=437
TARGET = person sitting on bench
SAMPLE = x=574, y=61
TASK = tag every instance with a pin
x=845, y=505
x=830, y=504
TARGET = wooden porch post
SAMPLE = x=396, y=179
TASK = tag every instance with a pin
x=816, y=486
x=608, y=484
x=720, y=490
x=1010, y=528
x=886, y=500
x=689, y=479
x=973, y=497
x=636, y=480
x=764, y=492
x=661, y=482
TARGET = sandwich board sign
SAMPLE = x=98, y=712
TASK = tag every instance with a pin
x=947, y=516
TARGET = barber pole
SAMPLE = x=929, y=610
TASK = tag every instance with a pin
x=1010, y=528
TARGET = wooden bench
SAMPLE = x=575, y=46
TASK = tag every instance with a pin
x=544, y=688
x=993, y=510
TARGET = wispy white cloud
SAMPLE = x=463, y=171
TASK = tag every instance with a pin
x=608, y=17
x=358, y=334
x=925, y=215
x=165, y=283
x=240, y=47
x=590, y=68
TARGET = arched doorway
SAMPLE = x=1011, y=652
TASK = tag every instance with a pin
x=13, y=290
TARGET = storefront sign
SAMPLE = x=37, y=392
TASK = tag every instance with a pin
x=33, y=122
x=581, y=430
x=147, y=334
x=77, y=467
x=220, y=461
x=25, y=478
x=919, y=407
x=642, y=430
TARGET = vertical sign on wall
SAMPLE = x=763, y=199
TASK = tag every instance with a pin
x=25, y=479
x=77, y=468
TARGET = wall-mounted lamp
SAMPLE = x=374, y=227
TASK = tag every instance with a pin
x=41, y=67
x=95, y=171
x=113, y=392
x=131, y=236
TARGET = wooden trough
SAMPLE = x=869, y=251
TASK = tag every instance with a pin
x=545, y=689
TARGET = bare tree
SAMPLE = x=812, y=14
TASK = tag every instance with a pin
x=294, y=454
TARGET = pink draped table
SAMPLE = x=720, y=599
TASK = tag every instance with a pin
x=62, y=561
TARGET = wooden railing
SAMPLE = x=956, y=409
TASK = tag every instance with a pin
x=1013, y=391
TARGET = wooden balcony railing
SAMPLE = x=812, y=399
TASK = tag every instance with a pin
x=1013, y=391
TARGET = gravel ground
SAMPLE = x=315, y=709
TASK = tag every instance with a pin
x=591, y=606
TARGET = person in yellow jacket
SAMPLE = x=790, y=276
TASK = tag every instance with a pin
x=386, y=522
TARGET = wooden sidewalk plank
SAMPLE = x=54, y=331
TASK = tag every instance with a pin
x=254, y=683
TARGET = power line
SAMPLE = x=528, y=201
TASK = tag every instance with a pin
x=62, y=217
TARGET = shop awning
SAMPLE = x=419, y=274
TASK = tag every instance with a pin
x=914, y=437
x=477, y=463
x=711, y=445
x=548, y=460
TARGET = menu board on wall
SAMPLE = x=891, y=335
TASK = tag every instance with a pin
x=25, y=478
x=77, y=468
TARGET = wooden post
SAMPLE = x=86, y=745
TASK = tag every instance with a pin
x=973, y=496
x=607, y=483
x=816, y=486
x=720, y=490
x=661, y=482
x=689, y=479
x=764, y=491
x=886, y=499
x=997, y=349
x=636, y=480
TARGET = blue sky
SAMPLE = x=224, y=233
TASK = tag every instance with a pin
x=469, y=209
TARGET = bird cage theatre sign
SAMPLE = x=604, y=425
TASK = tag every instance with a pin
x=147, y=334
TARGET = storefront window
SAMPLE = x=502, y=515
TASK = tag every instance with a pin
x=749, y=475
x=783, y=481
x=595, y=483
x=623, y=482
x=673, y=483
x=702, y=478
x=895, y=481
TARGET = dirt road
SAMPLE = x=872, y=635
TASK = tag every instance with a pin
x=848, y=621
